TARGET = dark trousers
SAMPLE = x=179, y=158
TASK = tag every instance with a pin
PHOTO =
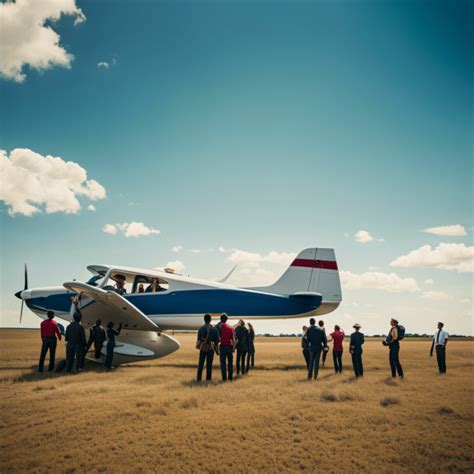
x=49, y=344
x=110, y=355
x=441, y=358
x=306, y=357
x=207, y=357
x=357, y=364
x=337, y=357
x=325, y=354
x=227, y=362
x=393, y=357
x=241, y=354
x=250, y=360
x=74, y=351
x=314, y=358
x=98, y=349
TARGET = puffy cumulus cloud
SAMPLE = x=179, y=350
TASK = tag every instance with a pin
x=455, y=257
x=27, y=36
x=364, y=237
x=91, y=207
x=436, y=296
x=253, y=259
x=429, y=281
x=177, y=248
x=378, y=281
x=30, y=181
x=455, y=230
x=103, y=65
x=177, y=265
x=129, y=229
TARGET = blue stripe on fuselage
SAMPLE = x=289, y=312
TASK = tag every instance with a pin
x=59, y=302
x=232, y=302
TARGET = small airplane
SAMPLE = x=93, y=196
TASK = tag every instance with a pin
x=148, y=302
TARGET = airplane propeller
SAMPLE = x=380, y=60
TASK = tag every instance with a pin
x=18, y=293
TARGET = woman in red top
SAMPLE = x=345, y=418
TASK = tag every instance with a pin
x=337, y=338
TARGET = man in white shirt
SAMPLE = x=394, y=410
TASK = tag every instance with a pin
x=440, y=340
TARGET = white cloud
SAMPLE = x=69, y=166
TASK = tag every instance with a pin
x=435, y=296
x=429, y=281
x=110, y=229
x=103, y=65
x=91, y=207
x=177, y=265
x=222, y=249
x=456, y=257
x=465, y=300
x=25, y=39
x=195, y=250
x=378, y=281
x=130, y=229
x=253, y=259
x=364, y=237
x=177, y=248
x=456, y=230
x=29, y=181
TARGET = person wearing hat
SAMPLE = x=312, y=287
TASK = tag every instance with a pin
x=355, y=348
x=440, y=340
x=119, y=283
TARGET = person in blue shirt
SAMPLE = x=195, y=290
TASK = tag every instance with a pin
x=317, y=343
x=355, y=348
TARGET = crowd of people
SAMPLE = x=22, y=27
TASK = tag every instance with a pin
x=226, y=340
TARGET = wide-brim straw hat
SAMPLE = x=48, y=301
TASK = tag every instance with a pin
x=357, y=326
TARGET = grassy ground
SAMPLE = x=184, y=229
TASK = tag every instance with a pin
x=153, y=417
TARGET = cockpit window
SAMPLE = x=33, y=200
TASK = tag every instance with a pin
x=147, y=284
x=94, y=281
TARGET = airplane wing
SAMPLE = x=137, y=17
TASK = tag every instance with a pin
x=109, y=306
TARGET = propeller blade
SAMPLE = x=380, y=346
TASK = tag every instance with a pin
x=21, y=310
x=26, y=277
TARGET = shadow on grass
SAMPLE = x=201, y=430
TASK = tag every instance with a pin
x=35, y=376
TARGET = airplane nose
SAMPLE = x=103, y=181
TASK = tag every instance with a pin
x=18, y=294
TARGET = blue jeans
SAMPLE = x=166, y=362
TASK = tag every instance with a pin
x=227, y=361
x=110, y=354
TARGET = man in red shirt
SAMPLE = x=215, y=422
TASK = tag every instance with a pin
x=226, y=347
x=49, y=331
x=337, y=338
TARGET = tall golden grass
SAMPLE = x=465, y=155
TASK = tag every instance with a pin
x=153, y=417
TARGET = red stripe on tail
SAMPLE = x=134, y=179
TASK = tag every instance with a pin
x=303, y=262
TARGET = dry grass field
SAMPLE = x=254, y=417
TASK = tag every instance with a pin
x=152, y=417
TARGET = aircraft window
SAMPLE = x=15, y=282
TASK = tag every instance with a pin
x=95, y=280
x=147, y=284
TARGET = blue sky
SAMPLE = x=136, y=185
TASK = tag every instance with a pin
x=259, y=126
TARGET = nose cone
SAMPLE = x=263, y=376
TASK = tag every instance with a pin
x=18, y=294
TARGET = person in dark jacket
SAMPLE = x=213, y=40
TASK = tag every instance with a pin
x=325, y=352
x=317, y=343
x=207, y=339
x=76, y=343
x=96, y=337
x=111, y=333
x=393, y=344
x=355, y=348
x=49, y=332
x=305, y=346
x=251, y=348
x=242, y=338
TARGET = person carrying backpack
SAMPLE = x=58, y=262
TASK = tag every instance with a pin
x=395, y=335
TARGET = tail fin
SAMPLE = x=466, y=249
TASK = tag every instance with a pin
x=313, y=270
